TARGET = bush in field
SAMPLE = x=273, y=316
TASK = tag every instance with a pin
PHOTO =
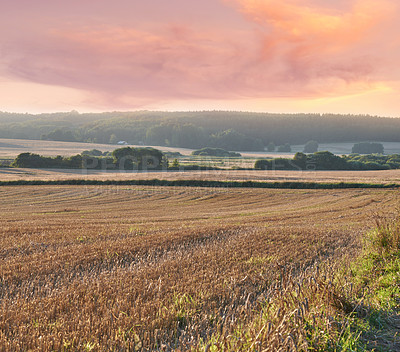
x=139, y=158
x=328, y=161
x=28, y=160
x=215, y=152
x=263, y=164
x=92, y=152
x=31, y=160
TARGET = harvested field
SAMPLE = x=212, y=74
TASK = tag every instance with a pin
x=148, y=268
x=10, y=148
x=382, y=176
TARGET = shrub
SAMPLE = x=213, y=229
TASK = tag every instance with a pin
x=215, y=152
x=263, y=164
x=92, y=152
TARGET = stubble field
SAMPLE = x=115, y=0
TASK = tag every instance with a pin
x=147, y=268
x=378, y=177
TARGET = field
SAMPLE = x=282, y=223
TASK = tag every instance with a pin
x=10, y=148
x=385, y=176
x=147, y=268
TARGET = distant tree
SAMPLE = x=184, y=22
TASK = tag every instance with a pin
x=300, y=160
x=368, y=148
x=113, y=139
x=327, y=161
x=262, y=164
x=271, y=147
x=285, y=148
x=139, y=158
x=75, y=161
x=311, y=147
x=29, y=160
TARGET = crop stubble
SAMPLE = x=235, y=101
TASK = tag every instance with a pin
x=137, y=267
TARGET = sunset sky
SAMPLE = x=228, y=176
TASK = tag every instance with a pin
x=339, y=56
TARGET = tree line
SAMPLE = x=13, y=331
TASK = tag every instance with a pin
x=325, y=160
x=120, y=159
x=153, y=159
x=236, y=131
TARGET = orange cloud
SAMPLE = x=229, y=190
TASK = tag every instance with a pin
x=307, y=42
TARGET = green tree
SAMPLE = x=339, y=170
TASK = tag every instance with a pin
x=29, y=160
x=139, y=158
x=327, y=161
x=92, y=152
x=300, y=160
x=262, y=164
x=75, y=162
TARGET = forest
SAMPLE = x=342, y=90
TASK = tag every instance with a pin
x=236, y=131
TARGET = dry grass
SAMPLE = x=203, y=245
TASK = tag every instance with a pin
x=125, y=268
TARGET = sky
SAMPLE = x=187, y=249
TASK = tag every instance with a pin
x=320, y=56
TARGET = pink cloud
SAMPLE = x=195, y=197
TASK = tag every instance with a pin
x=292, y=48
x=172, y=61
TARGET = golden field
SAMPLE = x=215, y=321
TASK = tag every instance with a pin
x=10, y=148
x=109, y=268
x=380, y=176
